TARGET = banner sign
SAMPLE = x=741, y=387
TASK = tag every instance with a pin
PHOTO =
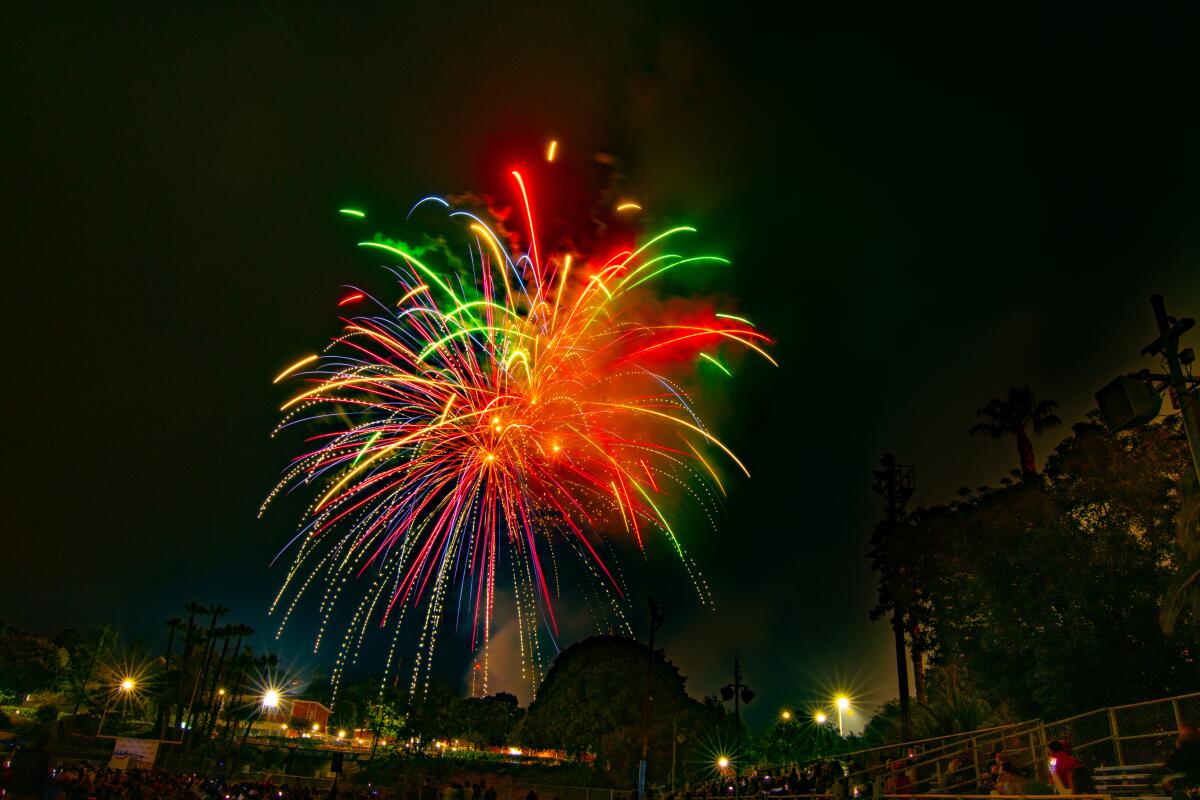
x=133, y=753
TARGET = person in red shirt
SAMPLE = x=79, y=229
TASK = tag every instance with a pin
x=1062, y=766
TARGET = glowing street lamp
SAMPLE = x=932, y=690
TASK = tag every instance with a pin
x=820, y=718
x=126, y=687
x=842, y=703
x=723, y=763
x=268, y=702
x=785, y=715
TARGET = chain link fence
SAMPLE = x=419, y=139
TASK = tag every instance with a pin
x=1136, y=734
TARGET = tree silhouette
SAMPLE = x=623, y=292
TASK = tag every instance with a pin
x=591, y=699
x=1042, y=591
x=210, y=637
x=173, y=624
x=1184, y=594
x=185, y=661
x=1016, y=415
x=209, y=690
x=233, y=692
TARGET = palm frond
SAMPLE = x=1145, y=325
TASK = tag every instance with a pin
x=1045, y=422
x=990, y=428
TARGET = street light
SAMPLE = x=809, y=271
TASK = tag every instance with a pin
x=842, y=703
x=723, y=763
x=736, y=691
x=268, y=702
x=126, y=687
x=785, y=715
x=820, y=718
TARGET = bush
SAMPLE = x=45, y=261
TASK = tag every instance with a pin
x=5, y=722
x=46, y=714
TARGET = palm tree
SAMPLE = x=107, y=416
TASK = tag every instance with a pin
x=202, y=677
x=193, y=608
x=189, y=641
x=1016, y=416
x=225, y=633
x=173, y=625
x=237, y=667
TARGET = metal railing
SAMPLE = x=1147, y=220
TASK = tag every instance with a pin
x=1133, y=735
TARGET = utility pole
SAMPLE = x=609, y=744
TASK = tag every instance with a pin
x=1133, y=399
x=1182, y=397
x=739, y=693
x=897, y=483
x=656, y=621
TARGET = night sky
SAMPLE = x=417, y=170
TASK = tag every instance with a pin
x=923, y=210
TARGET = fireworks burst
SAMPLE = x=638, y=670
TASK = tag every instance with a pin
x=493, y=418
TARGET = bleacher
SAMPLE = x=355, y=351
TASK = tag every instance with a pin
x=1130, y=780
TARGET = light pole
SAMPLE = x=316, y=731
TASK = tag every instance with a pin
x=127, y=685
x=842, y=703
x=738, y=692
x=269, y=702
x=819, y=719
x=656, y=621
x=1133, y=400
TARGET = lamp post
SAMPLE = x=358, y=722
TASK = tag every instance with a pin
x=820, y=718
x=739, y=693
x=268, y=702
x=842, y=702
x=656, y=621
x=126, y=686
x=1133, y=400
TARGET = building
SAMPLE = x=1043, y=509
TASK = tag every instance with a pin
x=309, y=711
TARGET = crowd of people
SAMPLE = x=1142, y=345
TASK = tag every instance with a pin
x=843, y=780
x=28, y=775
x=85, y=782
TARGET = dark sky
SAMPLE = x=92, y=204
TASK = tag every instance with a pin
x=923, y=210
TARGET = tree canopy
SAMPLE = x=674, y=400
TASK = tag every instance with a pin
x=592, y=699
x=28, y=663
x=1038, y=592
